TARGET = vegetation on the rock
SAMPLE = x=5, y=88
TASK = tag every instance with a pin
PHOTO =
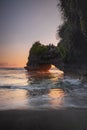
x=38, y=48
x=41, y=57
x=63, y=52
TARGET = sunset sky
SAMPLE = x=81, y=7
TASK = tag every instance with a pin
x=22, y=22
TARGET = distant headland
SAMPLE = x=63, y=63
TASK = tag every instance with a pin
x=41, y=57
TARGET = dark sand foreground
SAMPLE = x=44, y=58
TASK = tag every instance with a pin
x=73, y=119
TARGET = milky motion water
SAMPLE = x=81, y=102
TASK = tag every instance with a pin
x=20, y=89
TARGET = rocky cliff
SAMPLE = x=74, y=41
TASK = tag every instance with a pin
x=42, y=57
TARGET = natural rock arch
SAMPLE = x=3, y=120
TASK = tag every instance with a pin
x=41, y=58
x=42, y=61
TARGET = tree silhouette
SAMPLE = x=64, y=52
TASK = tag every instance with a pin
x=73, y=32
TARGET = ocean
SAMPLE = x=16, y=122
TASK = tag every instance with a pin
x=20, y=89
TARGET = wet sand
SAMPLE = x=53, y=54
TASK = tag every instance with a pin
x=72, y=119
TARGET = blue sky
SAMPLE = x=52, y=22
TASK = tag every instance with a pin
x=22, y=22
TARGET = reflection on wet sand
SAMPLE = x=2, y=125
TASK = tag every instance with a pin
x=42, y=91
x=35, y=76
x=50, y=97
x=38, y=92
x=13, y=99
x=56, y=96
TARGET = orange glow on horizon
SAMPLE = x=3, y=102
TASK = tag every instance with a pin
x=13, y=61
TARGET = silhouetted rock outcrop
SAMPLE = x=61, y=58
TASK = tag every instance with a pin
x=42, y=57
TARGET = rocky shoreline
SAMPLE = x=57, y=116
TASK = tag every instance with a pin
x=43, y=61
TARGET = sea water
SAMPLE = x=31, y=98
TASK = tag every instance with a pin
x=20, y=89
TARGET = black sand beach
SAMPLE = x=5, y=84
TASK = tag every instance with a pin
x=71, y=119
